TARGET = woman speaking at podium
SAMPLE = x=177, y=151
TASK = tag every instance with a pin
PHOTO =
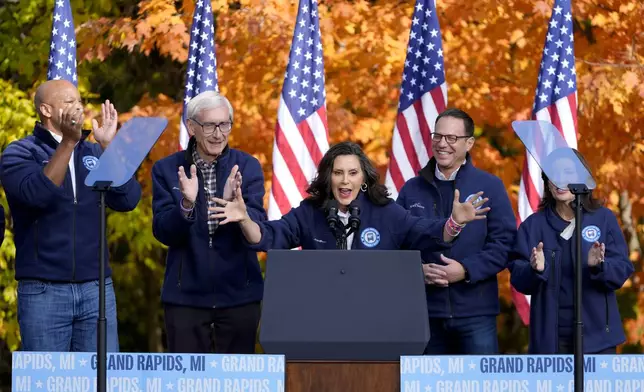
x=544, y=259
x=346, y=192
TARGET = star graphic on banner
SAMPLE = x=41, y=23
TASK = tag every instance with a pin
x=472, y=366
x=82, y=362
x=604, y=364
x=428, y=388
x=213, y=364
x=560, y=387
x=38, y=384
x=169, y=386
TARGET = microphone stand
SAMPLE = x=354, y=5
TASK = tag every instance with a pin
x=578, y=190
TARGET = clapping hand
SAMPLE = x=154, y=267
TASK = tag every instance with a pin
x=596, y=254
x=469, y=210
x=537, y=260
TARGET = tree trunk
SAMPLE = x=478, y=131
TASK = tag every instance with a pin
x=625, y=210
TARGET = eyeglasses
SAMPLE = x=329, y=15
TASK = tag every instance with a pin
x=451, y=139
x=210, y=128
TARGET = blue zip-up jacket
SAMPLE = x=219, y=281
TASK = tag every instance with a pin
x=1, y=225
x=387, y=227
x=57, y=235
x=483, y=245
x=202, y=271
x=602, y=322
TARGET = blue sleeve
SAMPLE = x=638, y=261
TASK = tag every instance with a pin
x=501, y=231
x=24, y=179
x=281, y=234
x=616, y=268
x=169, y=226
x=401, y=200
x=522, y=276
x=125, y=197
x=413, y=232
x=1, y=225
x=253, y=190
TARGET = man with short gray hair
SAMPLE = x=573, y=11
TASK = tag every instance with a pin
x=213, y=283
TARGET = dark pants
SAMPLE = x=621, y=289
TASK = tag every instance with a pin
x=463, y=336
x=200, y=330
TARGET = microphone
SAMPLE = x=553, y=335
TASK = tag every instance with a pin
x=332, y=214
x=354, y=215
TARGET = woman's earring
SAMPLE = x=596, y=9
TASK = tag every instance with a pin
x=363, y=187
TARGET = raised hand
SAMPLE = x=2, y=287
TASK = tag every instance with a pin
x=105, y=133
x=469, y=210
x=71, y=121
x=233, y=182
x=596, y=254
x=188, y=186
x=230, y=211
x=537, y=261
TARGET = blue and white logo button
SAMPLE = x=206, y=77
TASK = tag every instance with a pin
x=474, y=196
x=370, y=237
x=90, y=162
x=591, y=233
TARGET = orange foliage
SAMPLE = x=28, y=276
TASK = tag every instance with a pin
x=492, y=52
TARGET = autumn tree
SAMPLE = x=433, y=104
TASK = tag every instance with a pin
x=134, y=53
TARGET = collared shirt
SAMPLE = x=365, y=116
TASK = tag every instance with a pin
x=72, y=169
x=442, y=177
x=210, y=185
x=344, y=218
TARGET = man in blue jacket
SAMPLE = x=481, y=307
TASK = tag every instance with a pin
x=213, y=283
x=1, y=225
x=56, y=223
x=461, y=283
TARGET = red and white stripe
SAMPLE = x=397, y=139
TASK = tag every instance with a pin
x=183, y=136
x=411, y=146
x=297, y=151
x=563, y=115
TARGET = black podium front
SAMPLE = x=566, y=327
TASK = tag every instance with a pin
x=344, y=305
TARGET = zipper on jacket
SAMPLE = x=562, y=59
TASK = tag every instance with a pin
x=180, y=272
x=74, y=241
x=606, y=301
x=557, y=284
x=209, y=241
x=36, y=241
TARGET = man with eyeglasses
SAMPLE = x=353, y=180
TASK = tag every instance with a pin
x=461, y=283
x=213, y=283
x=55, y=220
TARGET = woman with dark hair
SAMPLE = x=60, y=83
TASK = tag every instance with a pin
x=345, y=175
x=542, y=265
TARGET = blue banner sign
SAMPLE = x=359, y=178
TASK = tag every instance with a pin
x=135, y=372
x=510, y=373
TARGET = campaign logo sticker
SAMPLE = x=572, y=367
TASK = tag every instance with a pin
x=370, y=237
x=478, y=199
x=591, y=233
x=90, y=162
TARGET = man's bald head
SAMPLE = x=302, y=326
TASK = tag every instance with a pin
x=51, y=98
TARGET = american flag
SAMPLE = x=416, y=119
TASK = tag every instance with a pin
x=301, y=134
x=202, y=63
x=423, y=96
x=555, y=102
x=62, y=47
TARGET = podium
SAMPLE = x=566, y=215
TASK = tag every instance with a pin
x=343, y=318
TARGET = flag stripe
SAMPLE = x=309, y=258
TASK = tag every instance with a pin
x=555, y=102
x=423, y=95
x=301, y=133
